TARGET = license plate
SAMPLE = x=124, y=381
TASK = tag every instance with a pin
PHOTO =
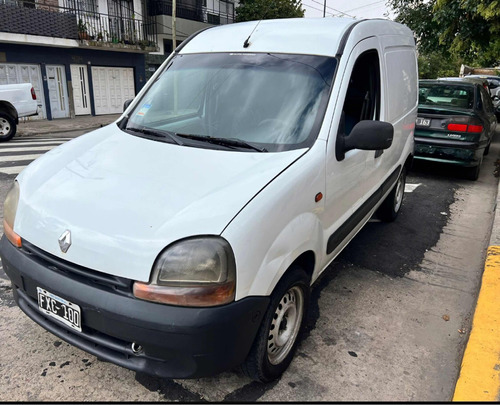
x=423, y=122
x=60, y=309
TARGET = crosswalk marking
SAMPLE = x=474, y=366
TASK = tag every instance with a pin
x=28, y=149
x=40, y=141
x=15, y=155
x=12, y=169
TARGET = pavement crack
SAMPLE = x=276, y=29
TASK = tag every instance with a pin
x=438, y=285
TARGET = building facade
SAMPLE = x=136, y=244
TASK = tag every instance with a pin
x=191, y=16
x=82, y=56
x=87, y=57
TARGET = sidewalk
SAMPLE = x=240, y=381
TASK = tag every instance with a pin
x=80, y=123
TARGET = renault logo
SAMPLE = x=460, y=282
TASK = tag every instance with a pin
x=65, y=241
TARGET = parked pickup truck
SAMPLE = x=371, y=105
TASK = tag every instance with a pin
x=16, y=100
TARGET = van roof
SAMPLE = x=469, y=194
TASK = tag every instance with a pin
x=314, y=36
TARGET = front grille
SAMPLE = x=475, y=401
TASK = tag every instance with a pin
x=79, y=273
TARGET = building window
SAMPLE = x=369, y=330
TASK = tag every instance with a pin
x=89, y=6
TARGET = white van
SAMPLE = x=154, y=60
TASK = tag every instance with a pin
x=183, y=239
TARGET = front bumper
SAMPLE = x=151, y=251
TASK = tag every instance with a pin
x=178, y=342
x=462, y=153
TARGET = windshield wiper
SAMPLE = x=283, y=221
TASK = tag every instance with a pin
x=158, y=133
x=230, y=142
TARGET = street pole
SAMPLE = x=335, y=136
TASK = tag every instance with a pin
x=174, y=36
x=324, y=9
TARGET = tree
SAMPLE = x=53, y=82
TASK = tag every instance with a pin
x=461, y=29
x=433, y=65
x=249, y=10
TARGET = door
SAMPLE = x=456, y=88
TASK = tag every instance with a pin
x=348, y=174
x=12, y=73
x=112, y=87
x=58, y=92
x=80, y=84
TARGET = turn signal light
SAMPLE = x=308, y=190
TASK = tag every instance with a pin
x=188, y=296
x=14, y=238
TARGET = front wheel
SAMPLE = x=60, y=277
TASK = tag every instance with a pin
x=7, y=127
x=276, y=341
x=391, y=206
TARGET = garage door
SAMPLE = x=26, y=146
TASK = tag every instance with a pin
x=12, y=73
x=112, y=87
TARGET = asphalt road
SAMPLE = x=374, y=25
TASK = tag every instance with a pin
x=388, y=321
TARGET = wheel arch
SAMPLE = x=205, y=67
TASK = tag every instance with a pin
x=409, y=162
x=289, y=248
x=7, y=107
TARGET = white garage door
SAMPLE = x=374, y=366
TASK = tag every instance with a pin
x=112, y=87
x=12, y=73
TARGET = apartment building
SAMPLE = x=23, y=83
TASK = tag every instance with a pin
x=81, y=56
x=87, y=57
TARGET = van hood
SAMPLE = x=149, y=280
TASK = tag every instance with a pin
x=125, y=198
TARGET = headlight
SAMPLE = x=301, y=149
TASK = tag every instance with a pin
x=193, y=272
x=9, y=214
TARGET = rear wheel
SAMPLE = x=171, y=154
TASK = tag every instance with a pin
x=472, y=173
x=276, y=341
x=7, y=127
x=487, y=149
x=391, y=206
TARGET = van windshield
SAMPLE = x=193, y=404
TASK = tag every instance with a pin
x=266, y=102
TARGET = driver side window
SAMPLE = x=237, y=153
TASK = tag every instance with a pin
x=362, y=100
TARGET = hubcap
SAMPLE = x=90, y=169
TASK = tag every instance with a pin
x=4, y=126
x=400, y=189
x=285, y=325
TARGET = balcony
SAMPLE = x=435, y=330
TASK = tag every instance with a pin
x=215, y=12
x=131, y=32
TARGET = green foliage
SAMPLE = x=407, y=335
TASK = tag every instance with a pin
x=433, y=65
x=468, y=30
x=249, y=10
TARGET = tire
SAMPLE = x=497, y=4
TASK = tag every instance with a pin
x=487, y=149
x=391, y=206
x=472, y=173
x=276, y=341
x=8, y=127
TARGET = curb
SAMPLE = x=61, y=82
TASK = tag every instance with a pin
x=58, y=131
x=479, y=378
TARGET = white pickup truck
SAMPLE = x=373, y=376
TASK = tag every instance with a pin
x=16, y=100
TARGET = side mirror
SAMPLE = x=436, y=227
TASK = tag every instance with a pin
x=127, y=103
x=366, y=135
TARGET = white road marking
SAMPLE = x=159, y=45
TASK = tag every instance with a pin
x=409, y=188
x=28, y=149
x=12, y=169
x=16, y=158
x=35, y=140
x=30, y=152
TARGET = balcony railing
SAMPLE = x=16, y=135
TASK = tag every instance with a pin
x=215, y=12
x=75, y=22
